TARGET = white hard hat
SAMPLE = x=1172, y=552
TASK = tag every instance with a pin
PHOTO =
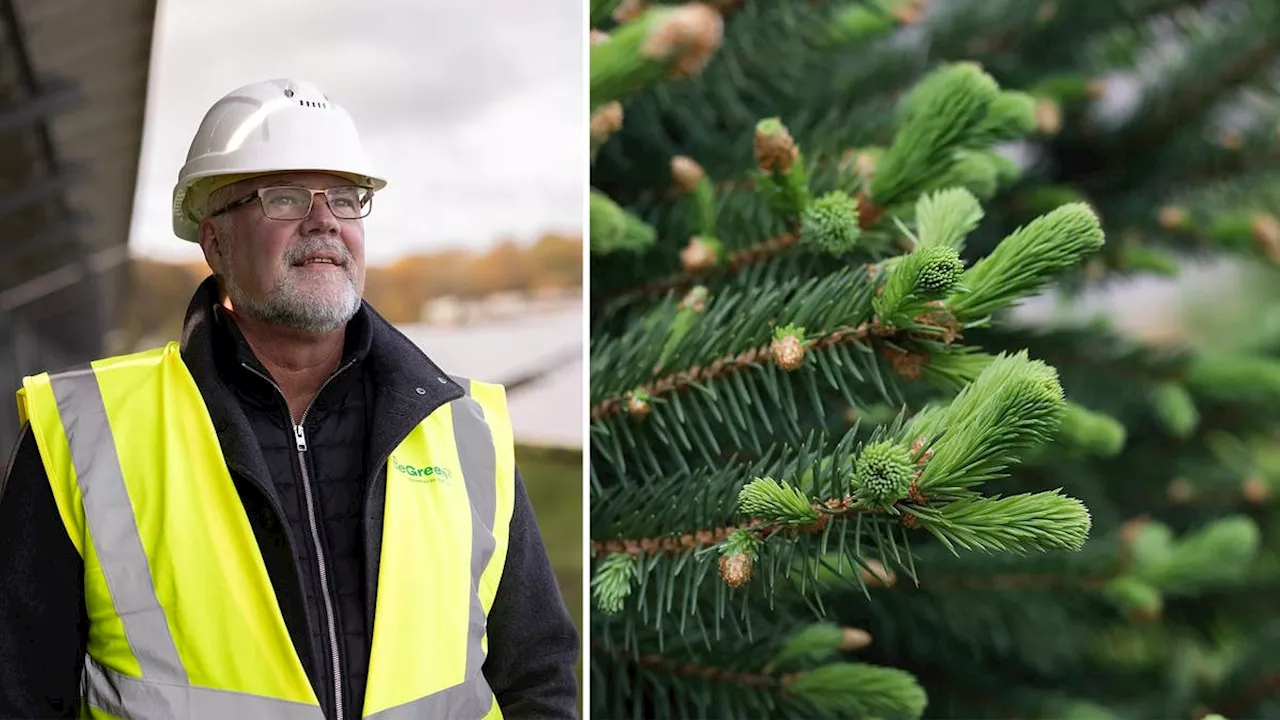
x=267, y=127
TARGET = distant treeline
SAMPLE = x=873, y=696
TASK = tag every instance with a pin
x=160, y=290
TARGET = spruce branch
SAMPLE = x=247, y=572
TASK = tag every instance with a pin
x=1218, y=62
x=829, y=690
x=1025, y=261
x=1090, y=432
x=816, y=643
x=944, y=112
x=691, y=181
x=1011, y=116
x=1218, y=554
x=1014, y=403
x=865, y=22
x=860, y=690
x=944, y=218
x=600, y=10
x=777, y=503
x=614, y=229
x=732, y=262
x=612, y=582
x=1239, y=378
x=662, y=43
x=925, y=274
x=781, y=176
x=1018, y=523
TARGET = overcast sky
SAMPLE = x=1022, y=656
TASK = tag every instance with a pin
x=475, y=111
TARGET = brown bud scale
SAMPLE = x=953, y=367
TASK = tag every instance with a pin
x=788, y=353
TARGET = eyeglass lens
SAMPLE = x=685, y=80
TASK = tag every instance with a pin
x=294, y=203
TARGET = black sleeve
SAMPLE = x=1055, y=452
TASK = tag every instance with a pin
x=533, y=644
x=42, y=620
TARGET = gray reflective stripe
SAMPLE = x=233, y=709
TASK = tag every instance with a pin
x=472, y=698
x=110, y=518
x=132, y=698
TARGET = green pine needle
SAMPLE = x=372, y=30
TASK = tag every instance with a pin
x=942, y=114
x=814, y=642
x=612, y=582
x=637, y=55
x=741, y=542
x=1024, y=262
x=859, y=690
x=1217, y=555
x=1091, y=432
x=775, y=502
x=613, y=229
x=1176, y=409
x=1016, y=524
x=945, y=217
x=1014, y=404
x=1012, y=116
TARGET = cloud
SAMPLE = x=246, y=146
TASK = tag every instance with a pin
x=475, y=111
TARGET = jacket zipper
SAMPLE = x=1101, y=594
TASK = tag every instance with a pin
x=300, y=441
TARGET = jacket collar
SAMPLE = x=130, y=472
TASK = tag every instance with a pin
x=408, y=385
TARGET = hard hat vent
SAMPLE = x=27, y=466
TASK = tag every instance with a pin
x=308, y=103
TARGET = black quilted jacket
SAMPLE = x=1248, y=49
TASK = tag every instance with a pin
x=361, y=414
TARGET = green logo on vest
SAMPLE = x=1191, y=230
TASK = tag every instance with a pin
x=428, y=474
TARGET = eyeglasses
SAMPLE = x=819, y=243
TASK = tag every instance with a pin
x=290, y=202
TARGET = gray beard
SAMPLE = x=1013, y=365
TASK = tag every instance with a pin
x=287, y=306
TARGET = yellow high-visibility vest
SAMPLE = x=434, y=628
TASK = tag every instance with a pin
x=183, y=621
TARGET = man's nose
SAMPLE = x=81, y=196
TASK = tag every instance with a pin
x=321, y=218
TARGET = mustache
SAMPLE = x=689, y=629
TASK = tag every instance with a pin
x=310, y=246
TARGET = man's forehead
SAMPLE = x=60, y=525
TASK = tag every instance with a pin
x=316, y=180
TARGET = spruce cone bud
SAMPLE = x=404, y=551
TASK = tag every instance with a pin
x=788, y=353
x=830, y=223
x=941, y=271
x=865, y=162
x=884, y=472
x=599, y=36
x=629, y=10
x=735, y=569
x=696, y=299
x=853, y=638
x=1180, y=491
x=909, y=12
x=1048, y=116
x=1232, y=140
x=1255, y=490
x=1172, y=217
x=1131, y=529
x=876, y=574
x=687, y=173
x=1046, y=12
x=638, y=405
x=858, y=161
x=606, y=121
x=691, y=33
x=1266, y=235
x=775, y=148
x=698, y=255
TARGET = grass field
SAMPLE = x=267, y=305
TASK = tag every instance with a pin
x=553, y=477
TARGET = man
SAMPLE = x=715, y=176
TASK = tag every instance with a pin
x=294, y=513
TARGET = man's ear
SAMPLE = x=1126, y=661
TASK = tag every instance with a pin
x=207, y=235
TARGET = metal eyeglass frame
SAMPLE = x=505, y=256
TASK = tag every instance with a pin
x=258, y=195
